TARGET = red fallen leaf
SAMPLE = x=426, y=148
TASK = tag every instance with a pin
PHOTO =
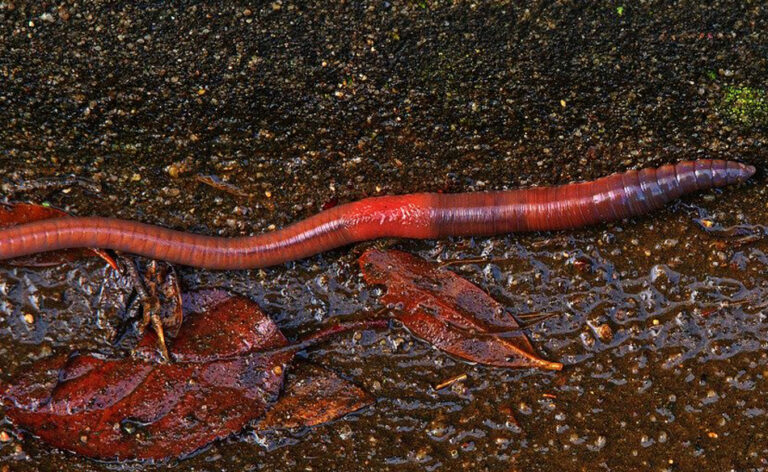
x=18, y=213
x=228, y=367
x=449, y=312
x=314, y=395
x=231, y=326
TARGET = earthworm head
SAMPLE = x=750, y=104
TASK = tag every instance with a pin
x=737, y=172
x=717, y=173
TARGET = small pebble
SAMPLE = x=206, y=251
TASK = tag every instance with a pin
x=605, y=333
x=345, y=432
x=173, y=171
x=600, y=442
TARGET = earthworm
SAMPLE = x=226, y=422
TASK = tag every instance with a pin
x=418, y=215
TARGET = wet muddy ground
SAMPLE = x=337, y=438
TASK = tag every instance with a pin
x=660, y=324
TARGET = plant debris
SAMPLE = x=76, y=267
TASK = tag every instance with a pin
x=449, y=312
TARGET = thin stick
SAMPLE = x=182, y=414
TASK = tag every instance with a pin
x=449, y=382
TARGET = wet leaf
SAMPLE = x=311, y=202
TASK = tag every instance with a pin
x=228, y=368
x=449, y=312
x=18, y=213
x=314, y=395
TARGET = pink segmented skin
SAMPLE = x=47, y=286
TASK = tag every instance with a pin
x=420, y=215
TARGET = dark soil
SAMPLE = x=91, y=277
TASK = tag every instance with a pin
x=299, y=106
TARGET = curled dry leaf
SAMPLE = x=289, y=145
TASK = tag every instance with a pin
x=163, y=286
x=18, y=213
x=449, y=312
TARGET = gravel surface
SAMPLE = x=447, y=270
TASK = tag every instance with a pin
x=228, y=119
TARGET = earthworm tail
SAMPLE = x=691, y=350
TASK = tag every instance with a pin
x=421, y=215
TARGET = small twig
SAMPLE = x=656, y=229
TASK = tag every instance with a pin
x=449, y=382
x=533, y=318
x=218, y=184
x=476, y=260
x=321, y=335
x=559, y=240
x=157, y=327
x=50, y=183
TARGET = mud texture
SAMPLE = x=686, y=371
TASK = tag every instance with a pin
x=298, y=106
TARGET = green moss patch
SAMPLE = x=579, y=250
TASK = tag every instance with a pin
x=746, y=106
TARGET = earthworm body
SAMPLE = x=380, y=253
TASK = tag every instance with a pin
x=419, y=215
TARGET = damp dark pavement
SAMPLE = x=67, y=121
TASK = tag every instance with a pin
x=290, y=107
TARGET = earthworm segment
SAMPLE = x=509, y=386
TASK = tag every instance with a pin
x=419, y=215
